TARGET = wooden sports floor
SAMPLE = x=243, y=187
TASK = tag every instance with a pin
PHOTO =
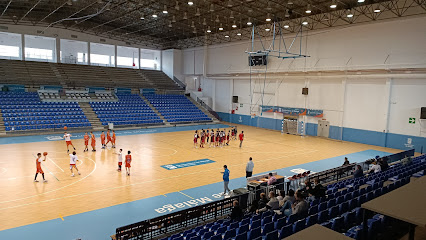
x=23, y=201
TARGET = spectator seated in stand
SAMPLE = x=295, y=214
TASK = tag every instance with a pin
x=262, y=201
x=319, y=190
x=383, y=162
x=407, y=160
x=299, y=207
x=289, y=198
x=236, y=213
x=358, y=172
x=273, y=203
x=271, y=179
x=375, y=168
x=307, y=189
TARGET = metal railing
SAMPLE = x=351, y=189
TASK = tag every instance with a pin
x=208, y=108
x=178, y=221
x=179, y=82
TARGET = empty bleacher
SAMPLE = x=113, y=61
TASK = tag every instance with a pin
x=27, y=73
x=177, y=108
x=23, y=111
x=71, y=75
x=130, y=109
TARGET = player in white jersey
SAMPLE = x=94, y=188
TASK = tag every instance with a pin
x=73, y=161
x=120, y=159
x=67, y=138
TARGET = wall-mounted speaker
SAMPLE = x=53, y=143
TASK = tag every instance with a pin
x=234, y=99
x=305, y=91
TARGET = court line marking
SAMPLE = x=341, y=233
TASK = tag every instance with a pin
x=128, y=185
x=55, y=164
x=5, y=170
x=185, y=194
x=54, y=190
x=61, y=217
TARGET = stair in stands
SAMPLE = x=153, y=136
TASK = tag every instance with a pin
x=203, y=110
x=155, y=110
x=2, y=127
x=91, y=115
x=58, y=75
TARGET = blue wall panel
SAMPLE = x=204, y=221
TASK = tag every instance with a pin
x=364, y=136
x=390, y=140
x=400, y=141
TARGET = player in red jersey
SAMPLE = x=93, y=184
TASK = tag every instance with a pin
x=108, y=137
x=103, y=139
x=128, y=161
x=67, y=138
x=228, y=137
x=113, y=139
x=241, y=138
x=232, y=133
x=212, y=137
x=93, y=142
x=195, y=138
x=203, y=138
x=38, y=165
x=217, y=137
x=207, y=136
x=86, y=142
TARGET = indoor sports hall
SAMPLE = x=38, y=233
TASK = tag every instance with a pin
x=212, y=119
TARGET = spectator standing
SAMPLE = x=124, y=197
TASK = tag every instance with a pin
x=226, y=179
x=346, y=162
x=249, y=168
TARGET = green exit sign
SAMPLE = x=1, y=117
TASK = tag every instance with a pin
x=412, y=120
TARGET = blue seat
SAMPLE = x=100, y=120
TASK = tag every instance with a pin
x=311, y=220
x=299, y=225
x=353, y=203
x=254, y=233
x=208, y=235
x=343, y=207
x=349, y=219
x=322, y=216
x=313, y=210
x=326, y=224
x=373, y=227
x=241, y=236
x=337, y=223
x=292, y=218
x=272, y=235
x=233, y=225
x=269, y=227
x=243, y=229
x=286, y=231
x=339, y=200
x=266, y=220
x=230, y=234
x=221, y=230
x=331, y=203
x=322, y=206
x=280, y=223
x=215, y=237
x=255, y=224
x=333, y=212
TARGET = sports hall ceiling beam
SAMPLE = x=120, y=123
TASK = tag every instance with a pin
x=5, y=9
x=52, y=12
x=29, y=11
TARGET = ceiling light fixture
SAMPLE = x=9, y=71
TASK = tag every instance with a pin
x=221, y=28
x=308, y=9
x=290, y=2
x=268, y=17
x=305, y=23
x=231, y=15
x=69, y=2
x=217, y=18
x=229, y=3
x=234, y=25
x=192, y=24
x=190, y=3
x=204, y=22
x=287, y=13
x=286, y=26
x=361, y=1
x=227, y=36
x=194, y=31
x=208, y=30
x=267, y=29
x=249, y=22
x=211, y=7
x=165, y=10
x=333, y=4
x=170, y=24
x=154, y=15
x=177, y=5
x=350, y=14
x=198, y=12
x=142, y=16
x=173, y=19
x=185, y=16
x=377, y=10
x=239, y=34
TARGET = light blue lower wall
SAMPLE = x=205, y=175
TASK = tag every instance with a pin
x=390, y=140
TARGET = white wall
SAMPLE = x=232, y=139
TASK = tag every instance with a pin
x=167, y=62
x=13, y=40
x=41, y=43
x=70, y=50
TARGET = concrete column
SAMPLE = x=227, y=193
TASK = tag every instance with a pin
x=115, y=55
x=139, y=58
x=388, y=96
x=214, y=94
x=23, y=47
x=88, y=53
x=342, y=108
x=58, y=50
x=231, y=91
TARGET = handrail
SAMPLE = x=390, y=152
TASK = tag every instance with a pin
x=179, y=82
x=177, y=221
x=208, y=108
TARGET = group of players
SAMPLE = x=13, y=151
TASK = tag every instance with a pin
x=74, y=158
x=219, y=138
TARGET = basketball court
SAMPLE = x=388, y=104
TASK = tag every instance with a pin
x=102, y=193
